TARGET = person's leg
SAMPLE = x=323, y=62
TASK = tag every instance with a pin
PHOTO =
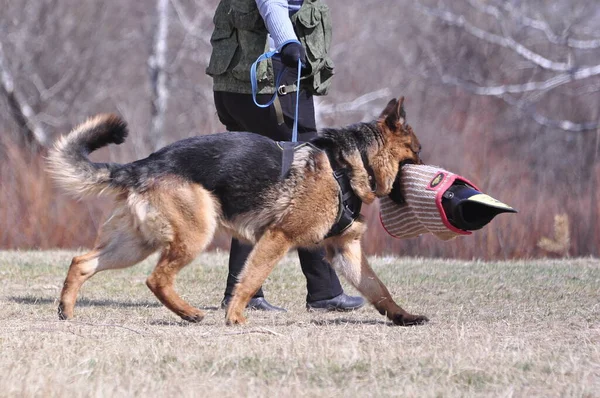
x=238, y=254
x=324, y=291
x=323, y=287
x=239, y=251
x=237, y=257
x=239, y=113
x=322, y=282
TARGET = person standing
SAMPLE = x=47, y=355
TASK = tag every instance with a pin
x=299, y=30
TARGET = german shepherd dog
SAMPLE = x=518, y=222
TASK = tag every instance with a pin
x=174, y=200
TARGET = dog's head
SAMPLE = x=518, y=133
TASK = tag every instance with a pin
x=400, y=146
x=403, y=144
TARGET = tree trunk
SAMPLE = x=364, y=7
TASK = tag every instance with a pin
x=31, y=134
x=158, y=75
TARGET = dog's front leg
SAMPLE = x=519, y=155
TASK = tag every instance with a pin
x=267, y=252
x=359, y=178
x=350, y=261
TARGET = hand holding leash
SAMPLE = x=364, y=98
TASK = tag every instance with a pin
x=291, y=53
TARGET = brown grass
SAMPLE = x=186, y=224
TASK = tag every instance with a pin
x=33, y=213
x=527, y=328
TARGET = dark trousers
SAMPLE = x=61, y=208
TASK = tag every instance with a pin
x=239, y=113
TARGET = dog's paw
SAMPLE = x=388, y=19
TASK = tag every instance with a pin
x=63, y=313
x=409, y=319
x=233, y=319
x=193, y=317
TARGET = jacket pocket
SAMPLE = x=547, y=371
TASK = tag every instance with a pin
x=223, y=41
x=312, y=24
x=322, y=80
x=251, y=45
x=224, y=46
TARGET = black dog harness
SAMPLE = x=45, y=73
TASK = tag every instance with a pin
x=350, y=203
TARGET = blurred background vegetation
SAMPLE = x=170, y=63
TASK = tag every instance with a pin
x=505, y=93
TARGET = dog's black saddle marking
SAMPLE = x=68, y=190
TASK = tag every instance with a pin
x=350, y=203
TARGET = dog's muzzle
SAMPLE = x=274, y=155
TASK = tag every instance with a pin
x=429, y=199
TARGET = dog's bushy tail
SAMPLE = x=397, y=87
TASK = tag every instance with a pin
x=68, y=161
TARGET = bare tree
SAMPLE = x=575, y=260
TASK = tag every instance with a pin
x=158, y=75
x=35, y=135
x=505, y=25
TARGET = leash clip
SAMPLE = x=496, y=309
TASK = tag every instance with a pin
x=282, y=90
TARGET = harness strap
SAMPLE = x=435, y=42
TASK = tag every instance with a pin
x=288, y=149
x=350, y=203
x=278, y=111
x=295, y=129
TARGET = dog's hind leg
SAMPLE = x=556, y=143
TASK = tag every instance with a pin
x=118, y=246
x=192, y=215
x=267, y=252
x=162, y=280
x=350, y=261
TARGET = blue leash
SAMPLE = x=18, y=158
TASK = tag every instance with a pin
x=254, y=82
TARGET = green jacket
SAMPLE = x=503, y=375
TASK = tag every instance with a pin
x=240, y=37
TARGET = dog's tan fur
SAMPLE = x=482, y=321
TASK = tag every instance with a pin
x=179, y=218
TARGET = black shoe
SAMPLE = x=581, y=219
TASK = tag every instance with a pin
x=343, y=302
x=256, y=303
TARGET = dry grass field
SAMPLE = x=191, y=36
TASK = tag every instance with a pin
x=527, y=328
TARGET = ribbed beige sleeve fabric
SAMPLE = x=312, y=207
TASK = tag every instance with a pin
x=420, y=214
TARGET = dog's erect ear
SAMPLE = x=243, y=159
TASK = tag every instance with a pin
x=389, y=108
x=394, y=114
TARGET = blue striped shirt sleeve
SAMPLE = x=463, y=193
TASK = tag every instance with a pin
x=276, y=15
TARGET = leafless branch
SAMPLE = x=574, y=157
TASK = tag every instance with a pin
x=503, y=92
x=533, y=23
x=502, y=41
x=533, y=90
x=545, y=85
x=191, y=25
x=48, y=93
x=21, y=111
x=566, y=125
x=356, y=104
x=194, y=32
